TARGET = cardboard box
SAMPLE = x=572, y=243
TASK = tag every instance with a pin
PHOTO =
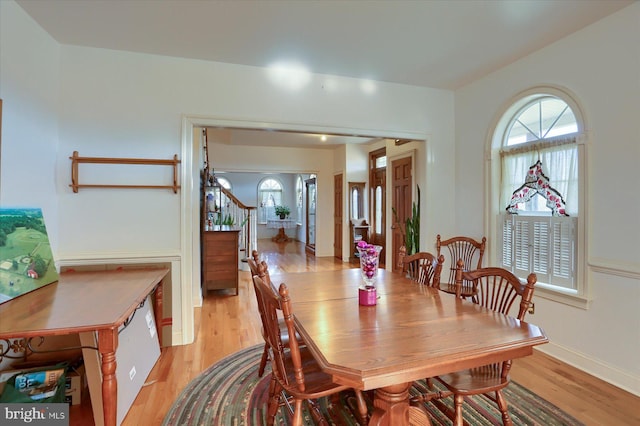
x=76, y=379
x=75, y=386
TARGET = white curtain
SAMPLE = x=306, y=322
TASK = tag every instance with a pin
x=559, y=163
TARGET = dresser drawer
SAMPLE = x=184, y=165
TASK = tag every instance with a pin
x=220, y=260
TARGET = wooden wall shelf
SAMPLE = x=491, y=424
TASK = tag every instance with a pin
x=75, y=160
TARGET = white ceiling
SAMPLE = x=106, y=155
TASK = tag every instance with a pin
x=433, y=43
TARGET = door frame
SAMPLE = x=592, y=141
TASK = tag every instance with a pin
x=338, y=215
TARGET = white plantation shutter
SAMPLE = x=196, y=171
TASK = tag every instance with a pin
x=564, y=253
x=521, y=240
x=505, y=223
x=540, y=249
x=544, y=245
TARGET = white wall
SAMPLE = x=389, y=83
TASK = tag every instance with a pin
x=29, y=76
x=600, y=65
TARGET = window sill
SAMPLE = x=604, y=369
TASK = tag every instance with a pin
x=567, y=298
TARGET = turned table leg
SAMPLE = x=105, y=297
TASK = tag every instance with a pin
x=107, y=345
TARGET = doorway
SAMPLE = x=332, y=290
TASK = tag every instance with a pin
x=186, y=286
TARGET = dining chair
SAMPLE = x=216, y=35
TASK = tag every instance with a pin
x=470, y=251
x=253, y=263
x=497, y=290
x=294, y=371
x=422, y=267
x=259, y=268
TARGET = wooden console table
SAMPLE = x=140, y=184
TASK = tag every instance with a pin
x=100, y=301
x=281, y=225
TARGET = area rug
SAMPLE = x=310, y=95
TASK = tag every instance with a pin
x=230, y=393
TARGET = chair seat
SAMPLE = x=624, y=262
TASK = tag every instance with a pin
x=317, y=383
x=474, y=381
x=465, y=292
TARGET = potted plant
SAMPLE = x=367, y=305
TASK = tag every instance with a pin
x=282, y=211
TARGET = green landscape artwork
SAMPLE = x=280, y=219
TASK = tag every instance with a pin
x=26, y=260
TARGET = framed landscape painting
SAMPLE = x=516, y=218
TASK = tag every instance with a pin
x=26, y=260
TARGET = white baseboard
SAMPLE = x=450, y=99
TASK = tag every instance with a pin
x=177, y=338
x=610, y=374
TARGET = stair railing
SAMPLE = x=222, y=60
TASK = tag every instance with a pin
x=244, y=217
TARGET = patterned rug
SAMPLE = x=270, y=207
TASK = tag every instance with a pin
x=230, y=393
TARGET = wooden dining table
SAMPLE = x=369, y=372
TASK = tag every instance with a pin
x=413, y=332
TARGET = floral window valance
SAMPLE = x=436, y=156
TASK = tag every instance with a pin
x=536, y=183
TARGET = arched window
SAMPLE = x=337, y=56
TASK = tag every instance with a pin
x=269, y=196
x=224, y=182
x=543, y=130
x=536, y=173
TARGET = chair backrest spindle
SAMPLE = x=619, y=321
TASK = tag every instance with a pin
x=423, y=268
x=497, y=288
x=470, y=252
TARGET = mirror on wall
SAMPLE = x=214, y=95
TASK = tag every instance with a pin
x=311, y=214
x=358, y=227
x=356, y=200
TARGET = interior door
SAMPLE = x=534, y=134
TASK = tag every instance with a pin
x=337, y=215
x=378, y=180
x=401, y=202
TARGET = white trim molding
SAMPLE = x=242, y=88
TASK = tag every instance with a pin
x=621, y=269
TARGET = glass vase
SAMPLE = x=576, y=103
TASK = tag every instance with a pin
x=369, y=262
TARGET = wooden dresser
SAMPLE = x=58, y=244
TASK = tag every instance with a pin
x=220, y=258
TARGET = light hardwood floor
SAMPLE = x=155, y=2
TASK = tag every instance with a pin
x=228, y=323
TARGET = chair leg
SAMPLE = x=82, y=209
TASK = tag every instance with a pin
x=297, y=413
x=429, y=382
x=263, y=360
x=274, y=401
x=362, y=407
x=502, y=405
x=458, y=401
x=316, y=413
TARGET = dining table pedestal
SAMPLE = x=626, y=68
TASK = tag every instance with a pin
x=391, y=407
